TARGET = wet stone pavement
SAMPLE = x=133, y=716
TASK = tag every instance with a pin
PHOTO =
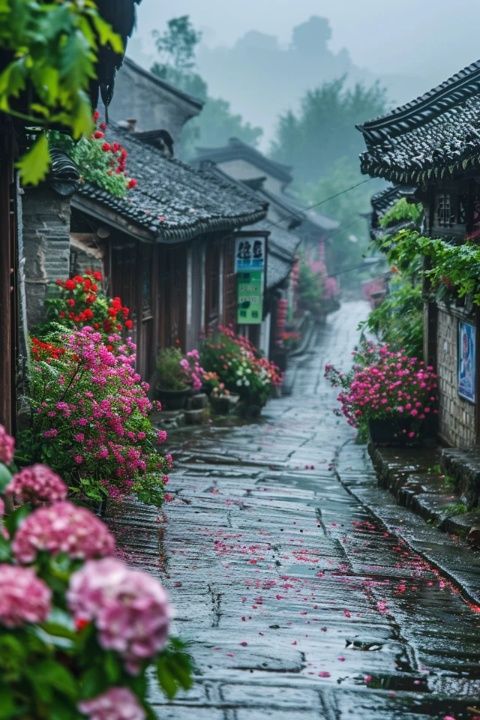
x=297, y=602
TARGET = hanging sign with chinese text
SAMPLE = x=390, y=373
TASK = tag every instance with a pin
x=250, y=272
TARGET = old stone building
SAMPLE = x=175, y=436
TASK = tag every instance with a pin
x=149, y=102
x=430, y=148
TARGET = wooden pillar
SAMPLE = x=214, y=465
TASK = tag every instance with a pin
x=7, y=286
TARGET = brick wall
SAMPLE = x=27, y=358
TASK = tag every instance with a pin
x=457, y=416
x=46, y=236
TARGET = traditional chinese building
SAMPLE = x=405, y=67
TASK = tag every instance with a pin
x=121, y=15
x=167, y=248
x=432, y=144
x=289, y=225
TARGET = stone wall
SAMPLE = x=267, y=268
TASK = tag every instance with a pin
x=457, y=416
x=139, y=96
x=46, y=237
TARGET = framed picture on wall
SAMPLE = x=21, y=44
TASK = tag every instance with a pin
x=467, y=361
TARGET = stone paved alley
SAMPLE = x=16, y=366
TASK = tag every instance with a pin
x=298, y=603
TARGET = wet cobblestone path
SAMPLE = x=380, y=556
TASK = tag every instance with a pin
x=298, y=603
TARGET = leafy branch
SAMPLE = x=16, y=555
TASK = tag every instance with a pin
x=53, y=48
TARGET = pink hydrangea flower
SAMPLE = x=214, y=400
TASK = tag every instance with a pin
x=37, y=484
x=129, y=608
x=116, y=704
x=7, y=447
x=24, y=598
x=62, y=527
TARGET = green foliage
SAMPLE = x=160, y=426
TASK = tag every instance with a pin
x=171, y=376
x=310, y=288
x=398, y=321
x=177, y=45
x=53, y=48
x=313, y=140
x=449, y=268
x=402, y=211
x=217, y=123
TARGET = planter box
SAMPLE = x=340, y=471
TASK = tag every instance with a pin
x=173, y=399
x=393, y=432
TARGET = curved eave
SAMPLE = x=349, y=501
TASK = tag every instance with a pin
x=417, y=176
x=137, y=223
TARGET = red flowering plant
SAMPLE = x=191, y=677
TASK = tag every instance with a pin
x=79, y=629
x=79, y=302
x=239, y=366
x=384, y=384
x=100, y=161
x=91, y=417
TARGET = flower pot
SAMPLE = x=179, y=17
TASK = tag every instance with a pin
x=173, y=399
x=221, y=405
x=391, y=432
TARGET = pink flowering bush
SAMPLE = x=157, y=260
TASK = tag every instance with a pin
x=62, y=528
x=192, y=369
x=116, y=704
x=90, y=419
x=37, y=484
x=80, y=631
x=179, y=372
x=24, y=598
x=129, y=608
x=384, y=384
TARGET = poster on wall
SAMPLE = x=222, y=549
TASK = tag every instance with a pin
x=250, y=272
x=467, y=370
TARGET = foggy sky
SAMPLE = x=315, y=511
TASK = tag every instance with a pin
x=410, y=46
x=429, y=38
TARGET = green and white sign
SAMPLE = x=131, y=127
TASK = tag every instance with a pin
x=250, y=271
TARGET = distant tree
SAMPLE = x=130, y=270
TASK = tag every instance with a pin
x=178, y=44
x=313, y=140
x=177, y=48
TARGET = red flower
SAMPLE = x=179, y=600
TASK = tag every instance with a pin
x=103, y=126
x=106, y=147
x=98, y=135
x=71, y=302
x=70, y=284
x=129, y=324
x=132, y=183
x=81, y=624
x=96, y=115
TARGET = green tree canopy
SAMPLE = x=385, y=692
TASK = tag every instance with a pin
x=323, y=131
x=217, y=123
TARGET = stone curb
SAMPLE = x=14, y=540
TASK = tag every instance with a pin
x=453, y=558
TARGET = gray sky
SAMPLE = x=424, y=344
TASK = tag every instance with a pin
x=428, y=38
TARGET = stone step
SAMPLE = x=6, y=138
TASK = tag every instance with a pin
x=198, y=402
x=463, y=466
x=196, y=417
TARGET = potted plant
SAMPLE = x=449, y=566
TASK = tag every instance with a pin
x=172, y=387
x=390, y=394
x=178, y=376
x=221, y=399
x=241, y=369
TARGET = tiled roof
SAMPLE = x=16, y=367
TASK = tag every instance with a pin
x=435, y=136
x=173, y=201
x=238, y=150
